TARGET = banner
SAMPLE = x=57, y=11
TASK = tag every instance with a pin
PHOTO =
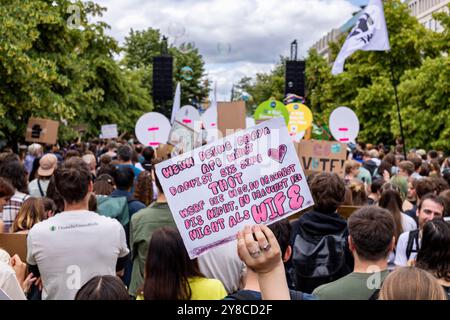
x=322, y=156
x=250, y=177
x=109, y=131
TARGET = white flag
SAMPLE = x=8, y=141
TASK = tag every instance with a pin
x=176, y=103
x=368, y=34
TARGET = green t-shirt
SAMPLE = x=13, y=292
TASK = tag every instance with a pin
x=354, y=286
x=143, y=224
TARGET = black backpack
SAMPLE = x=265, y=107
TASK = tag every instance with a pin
x=318, y=261
x=413, y=237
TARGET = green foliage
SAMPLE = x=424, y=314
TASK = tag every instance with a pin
x=142, y=46
x=420, y=69
x=49, y=69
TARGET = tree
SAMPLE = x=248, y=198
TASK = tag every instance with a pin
x=50, y=69
x=188, y=66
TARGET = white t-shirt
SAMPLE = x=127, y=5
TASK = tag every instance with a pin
x=73, y=247
x=408, y=224
x=400, y=253
x=34, y=188
x=9, y=283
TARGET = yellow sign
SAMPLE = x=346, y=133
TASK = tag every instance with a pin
x=300, y=118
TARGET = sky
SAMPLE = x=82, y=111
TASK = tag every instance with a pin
x=236, y=38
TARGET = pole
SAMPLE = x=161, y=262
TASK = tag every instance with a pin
x=394, y=84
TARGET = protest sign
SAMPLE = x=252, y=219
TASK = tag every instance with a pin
x=152, y=129
x=249, y=177
x=270, y=109
x=230, y=117
x=189, y=116
x=183, y=138
x=42, y=130
x=322, y=156
x=344, y=124
x=109, y=131
x=300, y=118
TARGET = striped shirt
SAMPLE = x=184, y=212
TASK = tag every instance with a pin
x=11, y=209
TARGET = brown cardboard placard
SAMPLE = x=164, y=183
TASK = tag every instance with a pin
x=14, y=243
x=42, y=130
x=322, y=156
x=231, y=117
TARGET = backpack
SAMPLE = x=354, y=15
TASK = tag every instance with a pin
x=254, y=295
x=114, y=207
x=413, y=237
x=318, y=260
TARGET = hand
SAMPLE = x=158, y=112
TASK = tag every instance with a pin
x=39, y=284
x=19, y=267
x=26, y=285
x=263, y=255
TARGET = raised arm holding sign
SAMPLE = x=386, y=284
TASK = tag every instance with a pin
x=250, y=177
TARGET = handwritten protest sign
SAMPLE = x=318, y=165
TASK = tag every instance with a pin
x=109, y=131
x=250, y=177
x=322, y=156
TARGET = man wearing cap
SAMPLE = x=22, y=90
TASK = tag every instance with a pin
x=47, y=165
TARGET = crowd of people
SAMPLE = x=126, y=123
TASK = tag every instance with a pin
x=98, y=226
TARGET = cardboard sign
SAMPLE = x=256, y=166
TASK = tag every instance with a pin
x=42, y=130
x=344, y=124
x=249, y=177
x=322, y=156
x=14, y=243
x=271, y=109
x=300, y=118
x=230, y=117
x=152, y=129
x=183, y=138
x=109, y=131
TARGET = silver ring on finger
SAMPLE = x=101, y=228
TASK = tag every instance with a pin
x=255, y=254
x=266, y=247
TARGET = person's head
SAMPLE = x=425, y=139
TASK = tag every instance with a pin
x=72, y=154
x=35, y=150
x=439, y=184
x=124, y=153
x=425, y=169
x=351, y=167
x=430, y=207
x=384, y=166
x=422, y=187
x=144, y=187
x=432, y=155
x=282, y=232
x=374, y=153
x=411, y=195
x=435, y=168
x=103, y=288
x=124, y=178
x=111, y=146
x=90, y=160
x=371, y=233
x=446, y=176
x=14, y=172
x=328, y=191
x=406, y=168
x=6, y=192
x=402, y=185
x=73, y=181
x=391, y=201
x=434, y=253
x=376, y=185
x=92, y=203
x=47, y=165
x=411, y=283
x=359, y=196
x=445, y=196
x=149, y=157
x=50, y=207
x=416, y=161
x=105, y=160
x=108, y=169
x=31, y=212
x=168, y=267
x=104, y=185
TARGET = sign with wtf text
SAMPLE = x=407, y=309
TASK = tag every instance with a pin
x=249, y=177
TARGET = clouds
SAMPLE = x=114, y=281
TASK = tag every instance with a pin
x=235, y=37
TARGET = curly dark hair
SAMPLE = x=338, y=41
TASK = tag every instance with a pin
x=434, y=253
x=143, y=190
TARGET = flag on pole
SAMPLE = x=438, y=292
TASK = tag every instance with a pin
x=176, y=103
x=368, y=34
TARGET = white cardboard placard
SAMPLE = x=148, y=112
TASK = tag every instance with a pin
x=152, y=129
x=344, y=125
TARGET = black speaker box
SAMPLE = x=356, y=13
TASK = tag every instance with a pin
x=162, y=78
x=295, y=78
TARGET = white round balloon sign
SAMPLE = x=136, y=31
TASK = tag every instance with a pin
x=189, y=116
x=344, y=124
x=152, y=129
